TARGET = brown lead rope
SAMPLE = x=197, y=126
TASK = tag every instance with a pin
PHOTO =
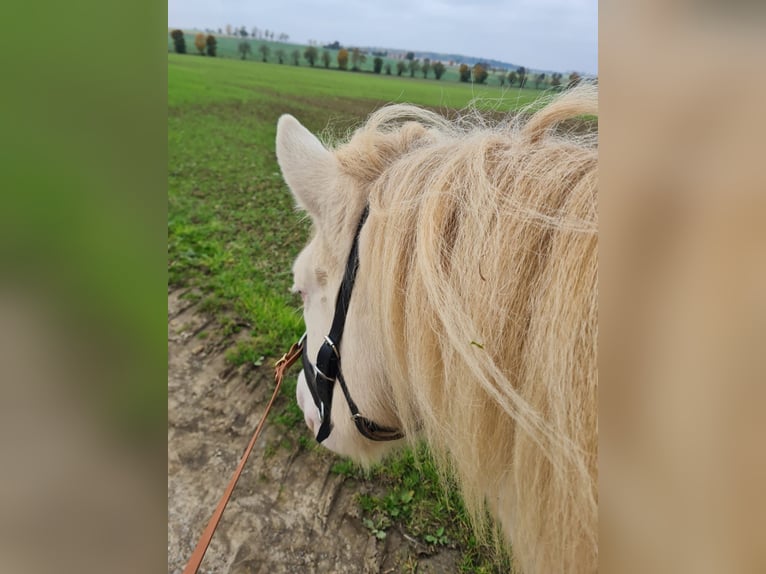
x=279, y=372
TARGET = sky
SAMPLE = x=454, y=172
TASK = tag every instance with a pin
x=558, y=35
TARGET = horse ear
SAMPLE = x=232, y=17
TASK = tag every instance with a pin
x=307, y=166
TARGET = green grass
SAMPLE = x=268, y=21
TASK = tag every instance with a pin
x=233, y=234
x=196, y=79
x=415, y=499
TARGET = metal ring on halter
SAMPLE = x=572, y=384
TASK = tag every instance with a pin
x=332, y=345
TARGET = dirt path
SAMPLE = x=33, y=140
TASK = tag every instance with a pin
x=289, y=512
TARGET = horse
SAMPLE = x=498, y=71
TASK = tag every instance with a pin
x=449, y=288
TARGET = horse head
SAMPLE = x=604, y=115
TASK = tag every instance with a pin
x=336, y=203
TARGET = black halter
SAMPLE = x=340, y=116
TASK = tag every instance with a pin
x=321, y=377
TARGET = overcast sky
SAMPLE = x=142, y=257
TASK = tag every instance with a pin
x=559, y=35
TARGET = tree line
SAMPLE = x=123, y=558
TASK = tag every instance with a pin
x=479, y=73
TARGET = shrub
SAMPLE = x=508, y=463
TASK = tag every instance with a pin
x=178, y=41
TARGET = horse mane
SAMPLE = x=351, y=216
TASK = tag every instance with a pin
x=480, y=269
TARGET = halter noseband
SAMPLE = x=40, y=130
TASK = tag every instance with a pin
x=321, y=377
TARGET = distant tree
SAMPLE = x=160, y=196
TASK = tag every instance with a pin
x=357, y=57
x=400, y=67
x=326, y=58
x=426, y=67
x=522, y=71
x=387, y=67
x=574, y=79
x=199, y=43
x=228, y=29
x=479, y=74
x=414, y=67
x=377, y=65
x=311, y=54
x=465, y=73
x=178, y=41
x=501, y=78
x=254, y=32
x=438, y=70
x=513, y=77
x=539, y=80
x=220, y=31
x=265, y=51
x=212, y=44
x=245, y=48
x=280, y=54
x=243, y=32
x=556, y=80
x=410, y=56
x=296, y=56
x=334, y=46
x=343, y=59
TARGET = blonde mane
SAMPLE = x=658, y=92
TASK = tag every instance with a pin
x=478, y=277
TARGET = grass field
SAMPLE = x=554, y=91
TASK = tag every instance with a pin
x=233, y=232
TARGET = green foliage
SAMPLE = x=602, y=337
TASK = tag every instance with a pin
x=539, y=80
x=245, y=352
x=346, y=467
x=343, y=59
x=377, y=65
x=522, y=72
x=465, y=73
x=513, y=77
x=357, y=58
x=179, y=42
x=326, y=58
x=437, y=537
x=296, y=57
x=311, y=54
x=410, y=56
x=280, y=54
x=378, y=528
x=211, y=45
x=414, y=67
x=439, y=70
x=400, y=67
x=426, y=67
x=265, y=51
x=245, y=48
x=388, y=68
x=479, y=74
x=556, y=80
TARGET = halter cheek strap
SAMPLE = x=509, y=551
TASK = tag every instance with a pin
x=328, y=359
